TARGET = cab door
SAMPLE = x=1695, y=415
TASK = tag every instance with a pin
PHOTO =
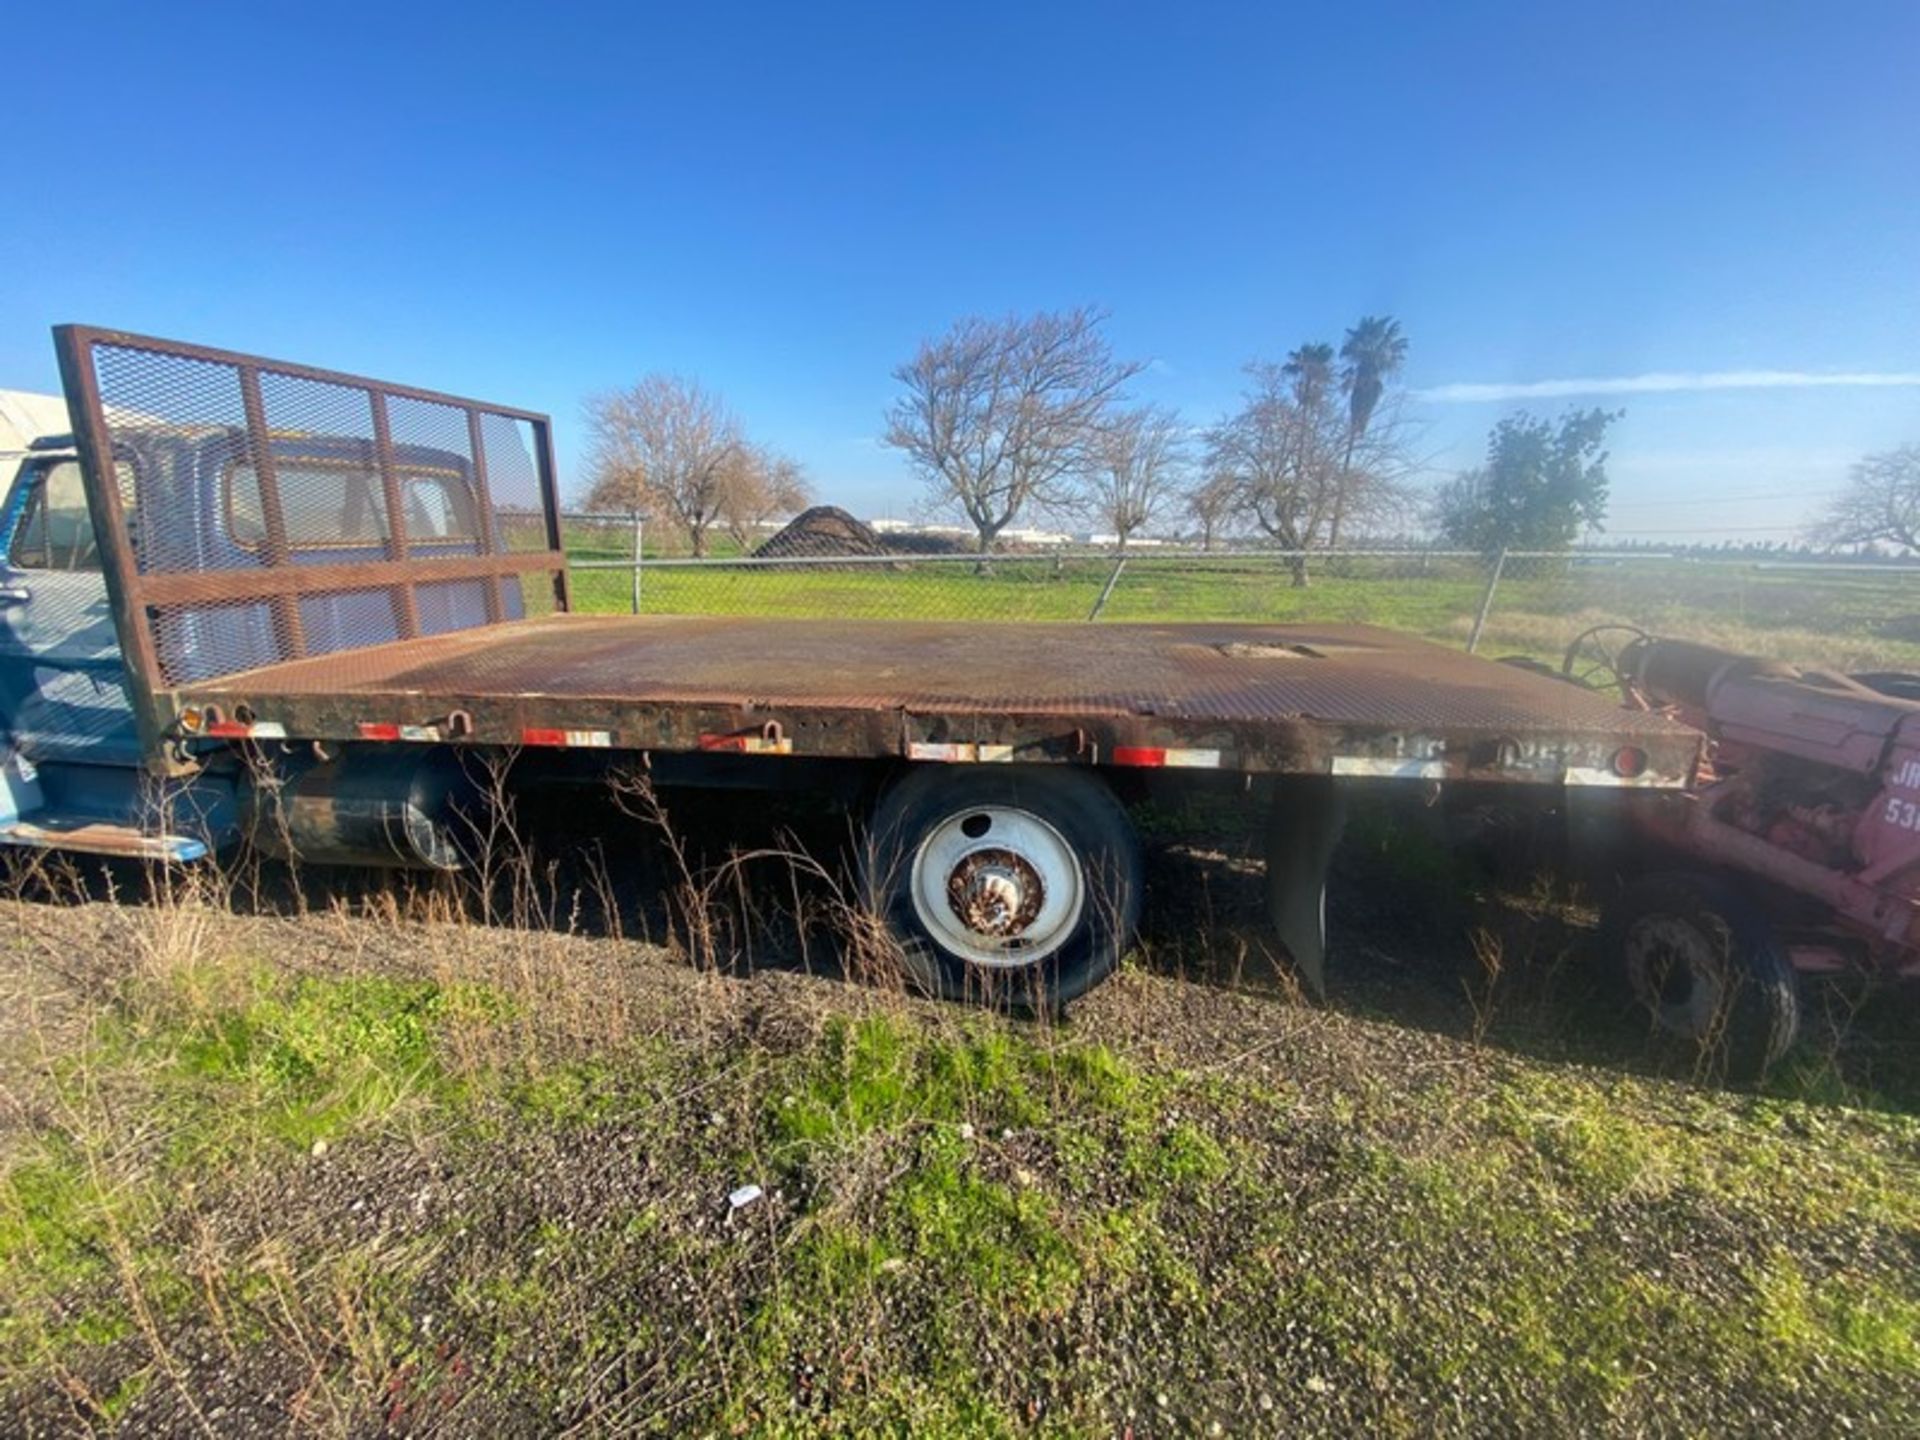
x=63, y=692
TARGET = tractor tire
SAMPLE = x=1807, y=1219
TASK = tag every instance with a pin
x=1014, y=887
x=1702, y=966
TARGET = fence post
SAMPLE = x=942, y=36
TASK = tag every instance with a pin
x=1119, y=564
x=1486, y=600
x=639, y=522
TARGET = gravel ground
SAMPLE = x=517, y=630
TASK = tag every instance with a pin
x=1438, y=1203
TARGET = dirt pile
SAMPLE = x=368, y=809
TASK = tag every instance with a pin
x=823, y=530
x=829, y=531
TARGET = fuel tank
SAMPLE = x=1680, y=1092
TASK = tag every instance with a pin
x=368, y=808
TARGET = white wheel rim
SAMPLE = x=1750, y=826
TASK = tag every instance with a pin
x=998, y=886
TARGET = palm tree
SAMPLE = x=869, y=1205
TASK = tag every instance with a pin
x=1310, y=367
x=1372, y=351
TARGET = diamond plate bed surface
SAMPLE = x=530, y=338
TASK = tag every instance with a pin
x=1228, y=673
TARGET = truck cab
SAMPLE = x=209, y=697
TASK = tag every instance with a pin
x=62, y=684
x=71, y=754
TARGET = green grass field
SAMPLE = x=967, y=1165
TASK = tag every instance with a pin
x=1848, y=620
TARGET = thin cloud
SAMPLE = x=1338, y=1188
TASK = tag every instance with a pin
x=1670, y=383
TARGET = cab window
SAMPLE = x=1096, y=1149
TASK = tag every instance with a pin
x=323, y=503
x=439, y=507
x=55, y=529
x=330, y=503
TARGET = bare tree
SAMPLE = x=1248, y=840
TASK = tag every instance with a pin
x=664, y=443
x=1210, y=504
x=1281, y=459
x=1881, y=502
x=1134, y=469
x=758, y=486
x=1000, y=415
x=1291, y=457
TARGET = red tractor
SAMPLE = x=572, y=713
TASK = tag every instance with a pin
x=1797, y=848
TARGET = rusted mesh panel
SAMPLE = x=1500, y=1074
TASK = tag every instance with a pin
x=530, y=595
x=352, y=619
x=203, y=641
x=514, y=480
x=280, y=512
x=433, y=451
x=207, y=639
x=331, y=493
x=451, y=604
x=167, y=416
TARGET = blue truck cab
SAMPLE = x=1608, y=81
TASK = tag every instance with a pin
x=73, y=771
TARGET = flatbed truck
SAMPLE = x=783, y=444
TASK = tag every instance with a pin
x=247, y=600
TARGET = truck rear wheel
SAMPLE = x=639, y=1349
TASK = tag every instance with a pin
x=1703, y=967
x=1015, y=887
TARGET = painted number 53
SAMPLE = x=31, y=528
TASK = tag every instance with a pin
x=1903, y=813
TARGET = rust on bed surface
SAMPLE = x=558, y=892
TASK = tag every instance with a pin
x=1272, y=691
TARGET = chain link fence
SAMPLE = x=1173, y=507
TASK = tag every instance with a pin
x=1845, y=616
x=1842, y=616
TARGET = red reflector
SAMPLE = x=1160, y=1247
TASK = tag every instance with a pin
x=379, y=732
x=723, y=742
x=229, y=730
x=1139, y=755
x=543, y=737
x=1629, y=762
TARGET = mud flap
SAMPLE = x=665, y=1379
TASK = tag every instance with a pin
x=1302, y=831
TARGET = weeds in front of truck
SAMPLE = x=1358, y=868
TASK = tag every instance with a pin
x=244, y=1148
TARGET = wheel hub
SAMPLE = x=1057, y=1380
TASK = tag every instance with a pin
x=1673, y=971
x=998, y=886
x=996, y=892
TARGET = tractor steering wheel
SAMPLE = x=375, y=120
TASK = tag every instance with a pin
x=1593, y=658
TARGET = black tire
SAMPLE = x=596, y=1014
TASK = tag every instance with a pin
x=933, y=836
x=1702, y=966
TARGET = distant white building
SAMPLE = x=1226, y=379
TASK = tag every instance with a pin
x=891, y=526
x=24, y=418
x=965, y=532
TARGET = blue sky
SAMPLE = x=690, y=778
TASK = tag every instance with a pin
x=531, y=202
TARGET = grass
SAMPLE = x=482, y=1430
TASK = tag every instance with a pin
x=1842, y=619
x=393, y=1178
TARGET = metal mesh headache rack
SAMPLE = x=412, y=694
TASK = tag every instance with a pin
x=267, y=512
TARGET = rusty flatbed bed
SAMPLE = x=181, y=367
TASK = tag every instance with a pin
x=1313, y=699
